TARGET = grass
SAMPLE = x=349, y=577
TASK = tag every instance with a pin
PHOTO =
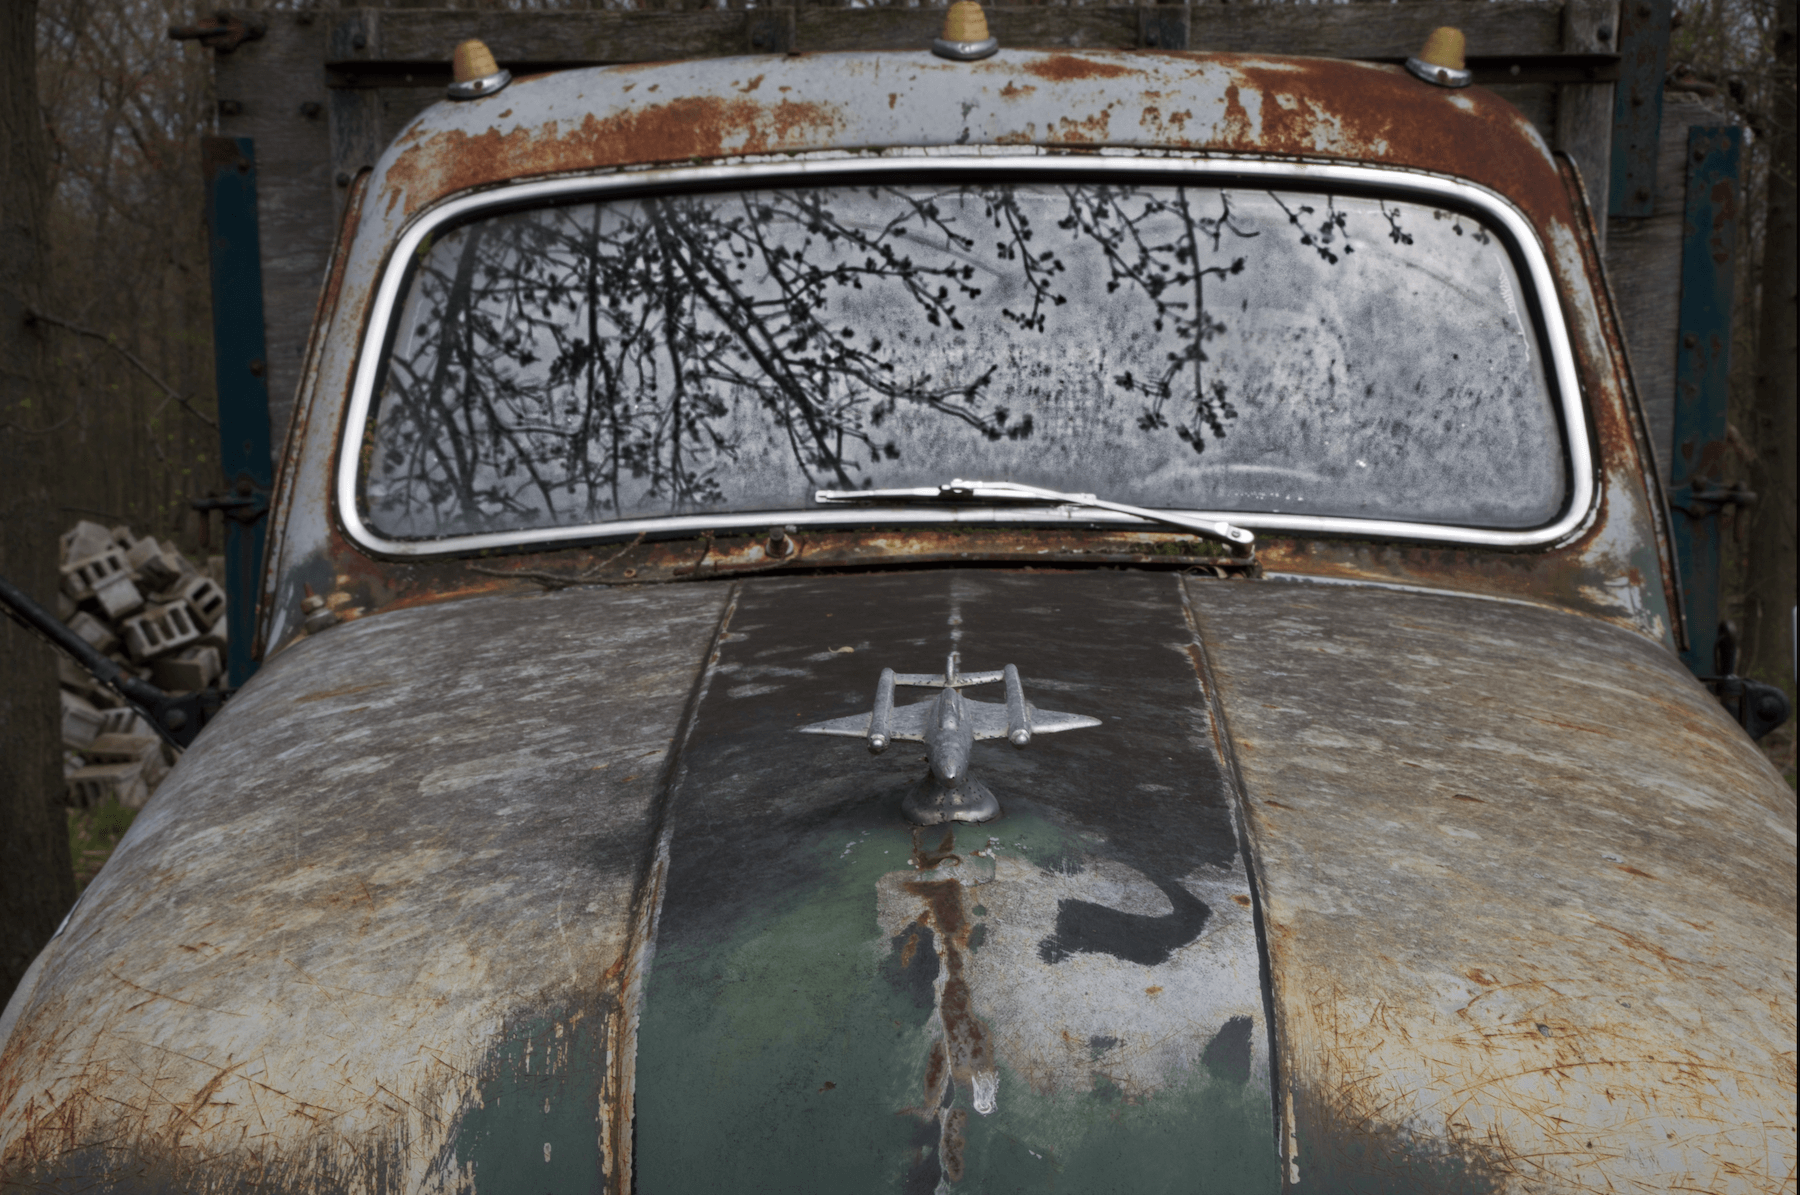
x=93, y=833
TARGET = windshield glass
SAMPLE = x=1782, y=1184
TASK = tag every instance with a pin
x=1187, y=347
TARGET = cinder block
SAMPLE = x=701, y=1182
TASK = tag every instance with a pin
x=84, y=540
x=118, y=596
x=145, y=750
x=65, y=609
x=182, y=563
x=124, y=720
x=76, y=679
x=185, y=670
x=217, y=638
x=96, y=634
x=80, y=576
x=123, y=748
x=158, y=631
x=81, y=722
x=92, y=785
x=205, y=599
x=122, y=536
x=147, y=558
x=103, y=579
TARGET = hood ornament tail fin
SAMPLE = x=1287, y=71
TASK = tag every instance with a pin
x=949, y=725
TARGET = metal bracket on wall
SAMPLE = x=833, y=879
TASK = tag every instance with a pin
x=1637, y=105
x=1703, y=380
x=225, y=32
x=240, y=361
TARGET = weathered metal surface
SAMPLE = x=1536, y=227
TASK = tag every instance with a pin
x=614, y=117
x=372, y=933
x=288, y=467
x=380, y=585
x=1644, y=27
x=1525, y=888
x=240, y=361
x=1703, y=379
x=1066, y=998
x=1529, y=897
x=1087, y=101
x=1635, y=409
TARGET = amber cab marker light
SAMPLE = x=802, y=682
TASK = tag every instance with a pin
x=476, y=73
x=966, y=35
x=1441, y=61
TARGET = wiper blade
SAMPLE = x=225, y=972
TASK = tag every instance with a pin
x=1242, y=540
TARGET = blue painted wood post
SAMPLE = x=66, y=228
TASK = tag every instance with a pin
x=240, y=361
x=1637, y=106
x=1703, y=378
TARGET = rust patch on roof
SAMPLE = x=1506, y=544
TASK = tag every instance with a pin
x=1368, y=112
x=1090, y=131
x=687, y=127
x=1064, y=68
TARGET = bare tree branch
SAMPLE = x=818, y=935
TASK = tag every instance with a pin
x=38, y=317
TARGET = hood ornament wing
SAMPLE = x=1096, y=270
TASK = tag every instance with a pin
x=949, y=725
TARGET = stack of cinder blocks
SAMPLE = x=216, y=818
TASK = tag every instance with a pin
x=140, y=603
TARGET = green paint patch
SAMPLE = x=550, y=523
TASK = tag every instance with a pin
x=791, y=1055
x=1204, y=1136
x=1038, y=840
x=800, y=1029
x=536, y=1126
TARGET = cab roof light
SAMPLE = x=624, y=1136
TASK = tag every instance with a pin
x=476, y=73
x=1440, y=62
x=966, y=37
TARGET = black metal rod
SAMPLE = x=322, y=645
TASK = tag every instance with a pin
x=172, y=716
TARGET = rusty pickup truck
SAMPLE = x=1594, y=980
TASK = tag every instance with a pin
x=961, y=620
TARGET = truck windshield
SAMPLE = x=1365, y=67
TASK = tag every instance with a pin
x=1184, y=347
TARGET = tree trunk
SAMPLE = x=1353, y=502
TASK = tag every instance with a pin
x=1769, y=587
x=36, y=882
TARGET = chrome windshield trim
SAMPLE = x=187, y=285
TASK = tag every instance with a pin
x=1542, y=298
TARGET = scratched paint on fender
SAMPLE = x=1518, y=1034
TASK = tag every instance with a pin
x=1529, y=898
x=1020, y=1005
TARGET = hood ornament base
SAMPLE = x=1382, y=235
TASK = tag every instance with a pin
x=949, y=725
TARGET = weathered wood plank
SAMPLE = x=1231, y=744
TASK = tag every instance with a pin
x=1643, y=260
x=1109, y=27
x=1390, y=31
x=1584, y=111
x=1385, y=31
x=427, y=36
x=273, y=90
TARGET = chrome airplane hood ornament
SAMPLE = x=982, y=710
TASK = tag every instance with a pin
x=949, y=725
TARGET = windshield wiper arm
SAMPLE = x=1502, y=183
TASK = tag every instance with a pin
x=1242, y=540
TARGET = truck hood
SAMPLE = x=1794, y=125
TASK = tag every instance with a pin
x=1350, y=886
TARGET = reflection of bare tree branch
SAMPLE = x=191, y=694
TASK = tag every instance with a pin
x=738, y=314
x=1158, y=269
x=569, y=362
